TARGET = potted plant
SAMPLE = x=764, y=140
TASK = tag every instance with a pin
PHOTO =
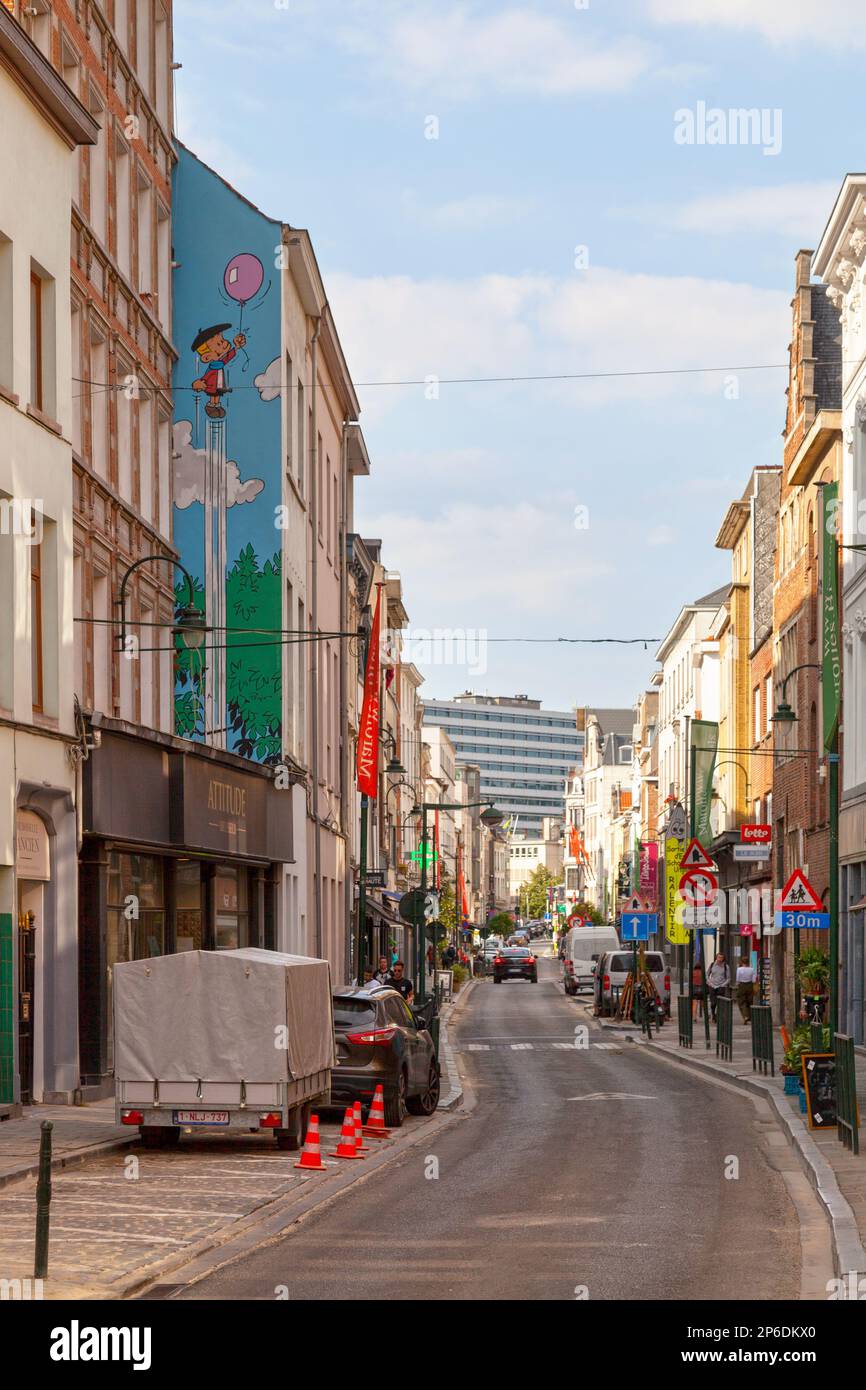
x=813, y=969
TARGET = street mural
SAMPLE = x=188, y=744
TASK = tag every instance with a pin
x=226, y=461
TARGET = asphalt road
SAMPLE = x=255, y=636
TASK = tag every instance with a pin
x=596, y=1172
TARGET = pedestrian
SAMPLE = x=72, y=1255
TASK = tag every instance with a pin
x=745, y=988
x=382, y=975
x=698, y=1004
x=718, y=979
x=399, y=981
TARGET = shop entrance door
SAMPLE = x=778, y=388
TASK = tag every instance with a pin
x=26, y=1001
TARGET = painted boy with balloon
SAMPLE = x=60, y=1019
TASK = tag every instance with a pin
x=242, y=279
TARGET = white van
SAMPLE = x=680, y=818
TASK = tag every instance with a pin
x=583, y=947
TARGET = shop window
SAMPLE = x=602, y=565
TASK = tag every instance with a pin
x=188, y=906
x=231, y=904
x=135, y=918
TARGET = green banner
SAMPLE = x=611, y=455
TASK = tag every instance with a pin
x=704, y=746
x=831, y=656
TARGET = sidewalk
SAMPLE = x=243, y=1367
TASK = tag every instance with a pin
x=838, y=1177
x=80, y=1132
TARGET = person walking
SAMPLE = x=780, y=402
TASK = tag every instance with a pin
x=745, y=988
x=718, y=979
x=400, y=981
x=382, y=975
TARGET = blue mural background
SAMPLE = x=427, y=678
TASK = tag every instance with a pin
x=213, y=226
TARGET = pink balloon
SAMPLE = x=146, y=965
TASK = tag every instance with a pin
x=244, y=276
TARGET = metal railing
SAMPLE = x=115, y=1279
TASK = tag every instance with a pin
x=847, y=1117
x=725, y=1028
x=684, y=1020
x=762, y=1039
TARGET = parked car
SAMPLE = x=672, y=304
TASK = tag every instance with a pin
x=580, y=952
x=614, y=968
x=515, y=963
x=492, y=947
x=380, y=1042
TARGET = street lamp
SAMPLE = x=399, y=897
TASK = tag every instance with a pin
x=784, y=718
x=190, y=624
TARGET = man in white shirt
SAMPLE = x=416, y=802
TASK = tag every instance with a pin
x=745, y=989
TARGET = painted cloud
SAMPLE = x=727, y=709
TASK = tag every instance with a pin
x=269, y=381
x=188, y=472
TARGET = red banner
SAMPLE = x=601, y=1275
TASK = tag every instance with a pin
x=649, y=870
x=368, y=733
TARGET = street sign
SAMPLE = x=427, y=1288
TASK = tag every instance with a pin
x=698, y=888
x=415, y=904
x=696, y=857
x=759, y=851
x=675, y=932
x=803, y=920
x=375, y=878
x=577, y=920
x=798, y=894
x=635, y=904
x=755, y=834
x=638, y=926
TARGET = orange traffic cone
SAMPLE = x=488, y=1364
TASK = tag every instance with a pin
x=359, y=1127
x=346, y=1147
x=375, y=1125
x=312, y=1154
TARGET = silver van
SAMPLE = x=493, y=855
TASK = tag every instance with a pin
x=582, y=948
x=614, y=967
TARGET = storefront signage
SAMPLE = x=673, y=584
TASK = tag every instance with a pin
x=31, y=847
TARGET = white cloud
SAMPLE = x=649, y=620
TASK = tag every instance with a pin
x=833, y=22
x=461, y=53
x=661, y=535
x=598, y=320
x=269, y=382
x=188, y=473
x=795, y=211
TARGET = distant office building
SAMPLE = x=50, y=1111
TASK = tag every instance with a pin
x=524, y=752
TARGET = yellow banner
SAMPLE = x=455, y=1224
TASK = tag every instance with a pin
x=676, y=933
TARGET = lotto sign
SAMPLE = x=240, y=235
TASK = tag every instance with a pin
x=698, y=888
x=756, y=834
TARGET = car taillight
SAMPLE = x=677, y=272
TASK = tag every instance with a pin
x=498, y=960
x=132, y=1117
x=668, y=983
x=270, y=1121
x=377, y=1036
x=605, y=984
x=530, y=960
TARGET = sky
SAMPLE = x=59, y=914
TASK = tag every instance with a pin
x=555, y=189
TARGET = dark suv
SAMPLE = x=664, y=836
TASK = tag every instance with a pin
x=515, y=963
x=380, y=1043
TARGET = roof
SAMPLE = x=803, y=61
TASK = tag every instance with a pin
x=32, y=71
x=714, y=599
x=614, y=721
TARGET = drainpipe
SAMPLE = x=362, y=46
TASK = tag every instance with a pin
x=345, y=770
x=314, y=624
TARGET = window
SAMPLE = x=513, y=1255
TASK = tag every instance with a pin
x=6, y=374
x=98, y=396
x=37, y=20
x=145, y=236
x=123, y=249
x=145, y=453
x=768, y=703
x=142, y=44
x=149, y=638
x=164, y=469
x=756, y=716
x=78, y=611
x=101, y=649
x=302, y=438
x=77, y=374
x=36, y=342
x=36, y=626
x=232, y=908
x=320, y=497
x=161, y=43
x=124, y=405
x=97, y=166
x=121, y=23
x=163, y=263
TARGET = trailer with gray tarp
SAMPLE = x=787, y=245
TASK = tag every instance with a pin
x=210, y=1041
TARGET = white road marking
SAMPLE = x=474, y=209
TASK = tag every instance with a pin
x=611, y=1095
x=521, y=1047
x=478, y=1047
x=606, y=1047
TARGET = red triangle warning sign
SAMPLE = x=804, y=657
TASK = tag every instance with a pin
x=798, y=893
x=696, y=857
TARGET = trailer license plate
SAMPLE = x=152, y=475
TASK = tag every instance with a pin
x=201, y=1117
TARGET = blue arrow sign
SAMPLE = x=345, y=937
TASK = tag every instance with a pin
x=638, y=926
x=806, y=920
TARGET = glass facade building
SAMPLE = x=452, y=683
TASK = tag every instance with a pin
x=524, y=752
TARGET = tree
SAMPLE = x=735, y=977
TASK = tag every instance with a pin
x=502, y=924
x=534, y=894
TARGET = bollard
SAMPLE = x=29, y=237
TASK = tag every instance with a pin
x=43, y=1201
